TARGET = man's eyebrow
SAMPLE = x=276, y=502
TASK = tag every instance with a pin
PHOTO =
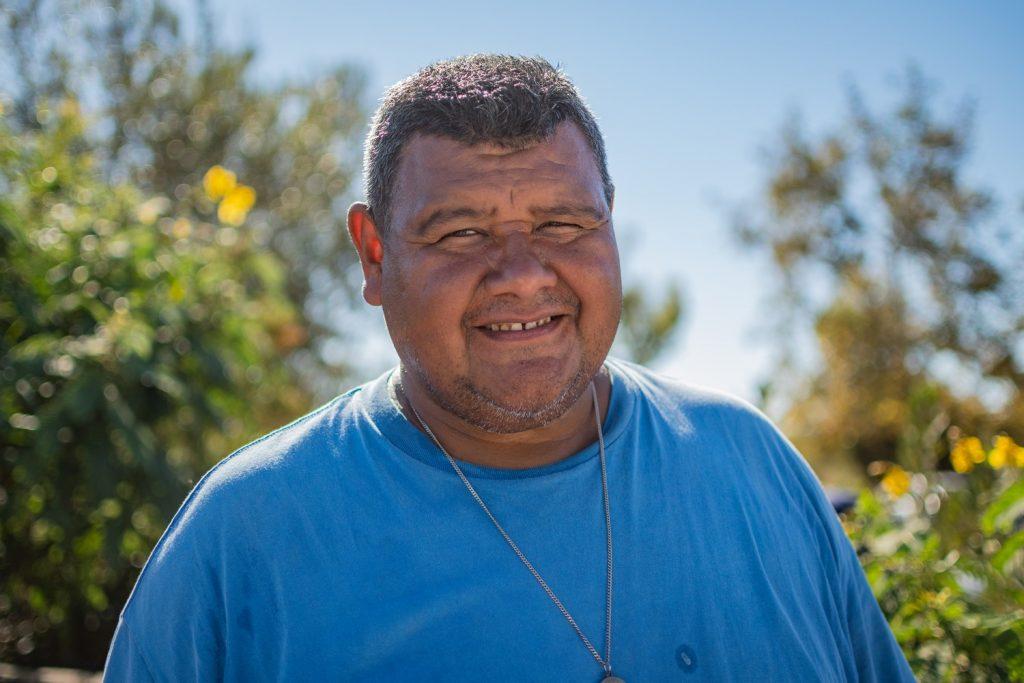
x=581, y=210
x=445, y=214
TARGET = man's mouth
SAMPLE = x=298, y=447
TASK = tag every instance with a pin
x=517, y=327
x=523, y=330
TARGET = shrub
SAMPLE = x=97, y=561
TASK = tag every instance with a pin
x=944, y=554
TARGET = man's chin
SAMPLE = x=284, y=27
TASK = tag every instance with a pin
x=512, y=411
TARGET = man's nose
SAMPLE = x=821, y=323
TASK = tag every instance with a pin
x=517, y=268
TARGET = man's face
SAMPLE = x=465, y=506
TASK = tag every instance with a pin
x=483, y=236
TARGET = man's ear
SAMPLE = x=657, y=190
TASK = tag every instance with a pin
x=370, y=246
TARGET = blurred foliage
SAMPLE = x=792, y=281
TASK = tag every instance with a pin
x=163, y=110
x=911, y=285
x=173, y=259
x=647, y=327
x=137, y=340
x=944, y=554
x=907, y=278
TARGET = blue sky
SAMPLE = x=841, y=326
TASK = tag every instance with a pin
x=686, y=95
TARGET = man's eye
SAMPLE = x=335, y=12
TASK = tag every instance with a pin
x=557, y=228
x=465, y=232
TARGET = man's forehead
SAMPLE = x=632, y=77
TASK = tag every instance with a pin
x=444, y=146
x=435, y=168
x=566, y=142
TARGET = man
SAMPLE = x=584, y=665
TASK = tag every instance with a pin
x=507, y=504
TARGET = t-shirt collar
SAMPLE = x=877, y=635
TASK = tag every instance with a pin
x=384, y=411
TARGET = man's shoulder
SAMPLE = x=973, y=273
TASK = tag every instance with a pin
x=676, y=397
x=247, y=494
x=283, y=462
x=295, y=446
x=279, y=450
x=721, y=423
x=749, y=451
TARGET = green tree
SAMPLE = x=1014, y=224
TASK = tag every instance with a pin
x=137, y=341
x=898, y=265
x=163, y=110
x=150, y=326
x=648, y=327
x=944, y=555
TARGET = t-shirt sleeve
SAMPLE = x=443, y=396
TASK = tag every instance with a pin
x=171, y=628
x=876, y=654
x=125, y=661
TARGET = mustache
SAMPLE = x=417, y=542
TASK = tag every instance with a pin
x=512, y=306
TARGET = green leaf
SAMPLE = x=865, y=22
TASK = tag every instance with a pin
x=82, y=396
x=1011, y=546
x=1004, y=509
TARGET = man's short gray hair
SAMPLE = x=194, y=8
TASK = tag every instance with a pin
x=509, y=101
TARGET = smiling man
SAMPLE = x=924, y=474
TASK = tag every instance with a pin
x=500, y=289
x=508, y=503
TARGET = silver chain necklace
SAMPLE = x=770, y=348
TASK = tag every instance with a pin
x=606, y=662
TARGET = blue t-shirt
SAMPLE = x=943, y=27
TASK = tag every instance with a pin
x=344, y=547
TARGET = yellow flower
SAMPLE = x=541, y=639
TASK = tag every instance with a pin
x=230, y=215
x=975, y=451
x=1001, y=452
x=896, y=482
x=236, y=204
x=960, y=458
x=997, y=459
x=218, y=182
x=1018, y=456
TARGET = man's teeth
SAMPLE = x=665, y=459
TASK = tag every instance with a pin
x=518, y=327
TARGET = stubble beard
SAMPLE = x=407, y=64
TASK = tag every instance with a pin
x=473, y=406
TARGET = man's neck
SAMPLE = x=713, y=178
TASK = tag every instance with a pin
x=573, y=431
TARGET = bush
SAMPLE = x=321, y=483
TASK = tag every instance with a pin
x=944, y=554
x=137, y=342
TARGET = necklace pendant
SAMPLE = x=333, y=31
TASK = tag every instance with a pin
x=611, y=678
